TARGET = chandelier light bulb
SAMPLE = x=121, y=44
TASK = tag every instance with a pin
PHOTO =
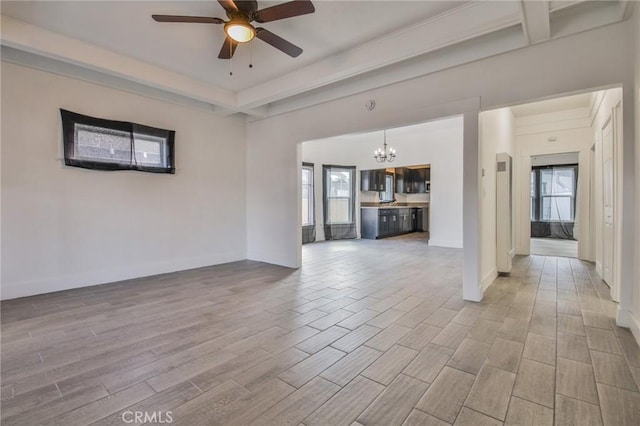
x=382, y=155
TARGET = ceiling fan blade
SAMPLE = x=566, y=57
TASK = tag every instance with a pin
x=228, y=5
x=247, y=6
x=278, y=42
x=189, y=19
x=284, y=10
x=228, y=49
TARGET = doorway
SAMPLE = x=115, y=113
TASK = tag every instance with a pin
x=418, y=193
x=581, y=221
x=554, y=190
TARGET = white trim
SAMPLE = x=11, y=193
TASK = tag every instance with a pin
x=445, y=243
x=618, y=182
x=277, y=258
x=91, y=278
x=488, y=279
x=595, y=106
x=625, y=318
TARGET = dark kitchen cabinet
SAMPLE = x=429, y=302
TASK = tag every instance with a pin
x=394, y=222
x=405, y=220
x=373, y=180
x=419, y=180
x=412, y=181
x=383, y=224
x=419, y=213
x=387, y=222
x=379, y=223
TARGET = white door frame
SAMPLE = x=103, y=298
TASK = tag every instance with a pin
x=617, y=201
x=609, y=267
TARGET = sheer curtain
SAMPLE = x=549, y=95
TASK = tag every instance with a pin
x=339, y=191
x=308, y=214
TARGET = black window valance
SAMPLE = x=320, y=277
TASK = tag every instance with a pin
x=99, y=144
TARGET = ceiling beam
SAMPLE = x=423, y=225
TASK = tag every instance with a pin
x=626, y=9
x=555, y=6
x=535, y=20
x=468, y=21
x=39, y=41
x=489, y=45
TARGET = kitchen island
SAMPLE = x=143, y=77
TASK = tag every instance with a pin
x=381, y=220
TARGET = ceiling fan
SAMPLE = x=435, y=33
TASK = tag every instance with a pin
x=238, y=28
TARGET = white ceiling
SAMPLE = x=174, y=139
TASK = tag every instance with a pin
x=343, y=41
x=432, y=128
x=126, y=27
x=583, y=100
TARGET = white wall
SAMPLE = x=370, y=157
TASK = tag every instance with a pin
x=553, y=133
x=511, y=78
x=635, y=307
x=438, y=143
x=64, y=227
x=497, y=134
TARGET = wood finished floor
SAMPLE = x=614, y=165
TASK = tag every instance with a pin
x=367, y=332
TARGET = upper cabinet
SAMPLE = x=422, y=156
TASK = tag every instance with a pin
x=373, y=180
x=408, y=180
x=413, y=180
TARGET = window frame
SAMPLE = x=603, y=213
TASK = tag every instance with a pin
x=537, y=198
x=326, y=169
x=312, y=204
x=390, y=188
x=71, y=123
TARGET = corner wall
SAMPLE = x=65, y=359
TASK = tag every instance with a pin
x=497, y=134
x=66, y=227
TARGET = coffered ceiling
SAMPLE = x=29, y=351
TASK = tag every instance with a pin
x=349, y=46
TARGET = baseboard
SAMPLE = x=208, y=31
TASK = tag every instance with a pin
x=86, y=279
x=488, y=279
x=625, y=318
x=444, y=243
x=599, y=268
x=274, y=258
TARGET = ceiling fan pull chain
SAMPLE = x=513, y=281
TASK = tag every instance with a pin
x=251, y=54
x=230, y=60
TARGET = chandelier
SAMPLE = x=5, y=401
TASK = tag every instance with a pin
x=382, y=155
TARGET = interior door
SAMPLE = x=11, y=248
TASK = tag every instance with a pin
x=607, y=203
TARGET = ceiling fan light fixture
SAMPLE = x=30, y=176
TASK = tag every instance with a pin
x=242, y=32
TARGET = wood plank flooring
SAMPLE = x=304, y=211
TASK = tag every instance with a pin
x=366, y=332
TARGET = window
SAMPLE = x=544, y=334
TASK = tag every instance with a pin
x=339, y=186
x=307, y=195
x=534, y=192
x=553, y=193
x=388, y=194
x=339, y=202
x=95, y=143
